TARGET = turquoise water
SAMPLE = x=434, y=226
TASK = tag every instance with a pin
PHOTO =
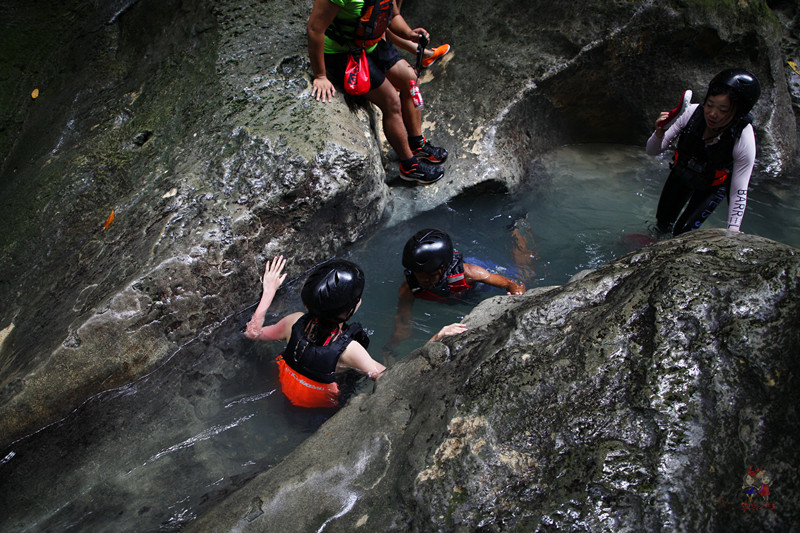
x=589, y=204
x=154, y=454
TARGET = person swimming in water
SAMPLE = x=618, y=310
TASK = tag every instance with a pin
x=435, y=271
x=321, y=344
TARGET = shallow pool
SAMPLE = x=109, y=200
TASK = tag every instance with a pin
x=589, y=204
x=154, y=454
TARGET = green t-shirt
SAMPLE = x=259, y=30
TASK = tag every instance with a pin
x=350, y=12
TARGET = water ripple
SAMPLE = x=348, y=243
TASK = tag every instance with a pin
x=204, y=435
x=248, y=399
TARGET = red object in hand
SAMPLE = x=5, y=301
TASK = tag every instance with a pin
x=686, y=99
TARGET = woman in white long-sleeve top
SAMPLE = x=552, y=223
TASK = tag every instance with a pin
x=714, y=156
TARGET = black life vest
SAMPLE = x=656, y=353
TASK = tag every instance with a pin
x=368, y=29
x=702, y=165
x=453, y=282
x=319, y=362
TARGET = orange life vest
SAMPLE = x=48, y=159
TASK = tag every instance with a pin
x=307, y=371
x=303, y=391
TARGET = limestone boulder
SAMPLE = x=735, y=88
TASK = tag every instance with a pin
x=637, y=397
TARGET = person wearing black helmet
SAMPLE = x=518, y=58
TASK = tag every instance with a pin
x=714, y=154
x=435, y=271
x=320, y=342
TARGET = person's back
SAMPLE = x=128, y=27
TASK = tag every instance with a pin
x=320, y=343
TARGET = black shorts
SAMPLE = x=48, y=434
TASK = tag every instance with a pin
x=381, y=59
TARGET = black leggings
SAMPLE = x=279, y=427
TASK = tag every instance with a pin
x=676, y=194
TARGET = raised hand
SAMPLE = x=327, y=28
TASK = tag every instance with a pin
x=273, y=276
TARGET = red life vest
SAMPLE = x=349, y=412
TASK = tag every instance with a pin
x=453, y=282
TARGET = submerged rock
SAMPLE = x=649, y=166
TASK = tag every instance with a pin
x=637, y=397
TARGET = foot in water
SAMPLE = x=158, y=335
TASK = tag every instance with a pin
x=686, y=99
x=637, y=241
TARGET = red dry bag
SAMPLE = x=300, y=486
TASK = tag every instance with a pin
x=356, y=75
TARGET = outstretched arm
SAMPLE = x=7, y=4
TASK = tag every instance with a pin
x=450, y=329
x=272, y=280
x=475, y=273
x=402, y=319
x=356, y=357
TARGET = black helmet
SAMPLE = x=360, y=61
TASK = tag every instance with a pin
x=427, y=251
x=743, y=84
x=333, y=289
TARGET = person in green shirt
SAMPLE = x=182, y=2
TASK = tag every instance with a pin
x=333, y=31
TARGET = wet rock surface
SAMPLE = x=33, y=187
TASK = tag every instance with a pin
x=634, y=398
x=193, y=124
x=200, y=135
x=586, y=72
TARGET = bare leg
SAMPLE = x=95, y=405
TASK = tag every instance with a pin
x=386, y=98
x=399, y=75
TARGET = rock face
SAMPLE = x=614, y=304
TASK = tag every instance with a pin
x=204, y=142
x=194, y=125
x=635, y=398
x=525, y=77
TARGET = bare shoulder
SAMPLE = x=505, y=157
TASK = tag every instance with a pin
x=475, y=272
x=286, y=323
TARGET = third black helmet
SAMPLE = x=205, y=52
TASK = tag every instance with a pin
x=742, y=83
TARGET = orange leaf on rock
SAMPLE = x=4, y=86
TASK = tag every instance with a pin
x=109, y=220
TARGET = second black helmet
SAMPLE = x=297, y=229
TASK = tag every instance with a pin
x=333, y=289
x=427, y=251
